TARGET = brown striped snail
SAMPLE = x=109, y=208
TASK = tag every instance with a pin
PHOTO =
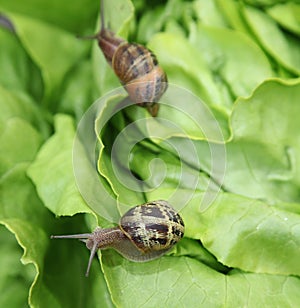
x=145, y=232
x=136, y=67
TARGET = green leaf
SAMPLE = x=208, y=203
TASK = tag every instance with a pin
x=163, y=171
x=234, y=57
x=67, y=258
x=15, y=279
x=283, y=47
x=52, y=171
x=182, y=63
x=188, y=281
x=119, y=23
x=287, y=15
x=24, y=215
x=246, y=234
x=24, y=150
x=110, y=165
x=20, y=73
x=232, y=13
x=76, y=99
x=268, y=290
x=55, y=56
x=209, y=13
x=194, y=249
x=20, y=105
x=72, y=17
x=263, y=156
x=260, y=3
x=159, y=16
x=22, y=212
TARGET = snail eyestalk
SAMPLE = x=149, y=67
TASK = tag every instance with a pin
x=84, y=237
x=78, y=236
x=92, y=255
x=102, y=14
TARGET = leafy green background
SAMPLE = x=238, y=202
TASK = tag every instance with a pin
x=242, y=59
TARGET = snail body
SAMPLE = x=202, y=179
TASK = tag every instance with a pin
x=135, y=66
x=145, y=232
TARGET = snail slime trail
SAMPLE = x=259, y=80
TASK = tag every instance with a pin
x=136, y=67
x=145, y=232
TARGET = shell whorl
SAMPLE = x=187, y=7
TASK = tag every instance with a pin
x=131, y=61
x=153, y=226
x=138, y=70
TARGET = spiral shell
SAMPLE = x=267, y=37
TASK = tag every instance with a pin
x=152, y=226
x=137, y=69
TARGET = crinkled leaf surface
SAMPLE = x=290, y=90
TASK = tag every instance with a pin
x=48, y=171
x=48, y=174
x=111, y=165
x=15, y=278
x=265, y=143
x=24, y=215
x=188, y=282
x=247, y=234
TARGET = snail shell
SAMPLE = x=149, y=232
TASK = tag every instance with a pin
x=145, y=232
x=136, y=67
x=153, y=226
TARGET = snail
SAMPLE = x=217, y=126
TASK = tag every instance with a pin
x=135, y=66
x=145, y=232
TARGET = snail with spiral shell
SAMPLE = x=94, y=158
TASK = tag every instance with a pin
x=136, y=67
x=145, y=232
